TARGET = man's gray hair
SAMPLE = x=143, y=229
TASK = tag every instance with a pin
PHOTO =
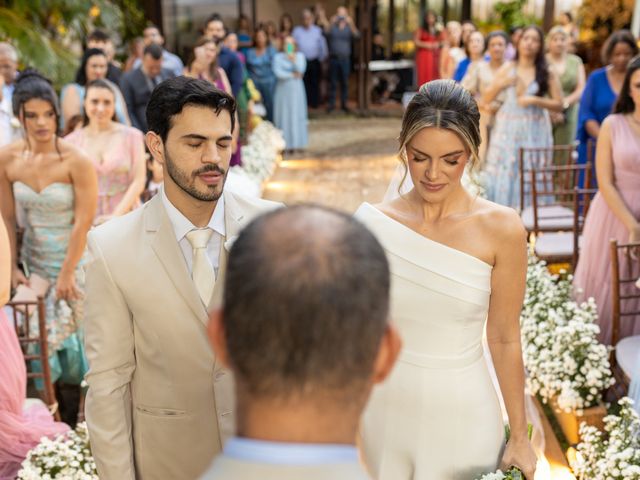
x=9, y=50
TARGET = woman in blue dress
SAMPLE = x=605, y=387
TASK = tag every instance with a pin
x=601, y=91
x=55, y=186
x=531, y=90
x=93, y=66
x=290, y=99
x=259, y=65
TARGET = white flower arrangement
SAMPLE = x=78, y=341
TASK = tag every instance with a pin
x=262, y=152
x=66, y=457
x=563, y=357
x=614, y=454
x=510, y=475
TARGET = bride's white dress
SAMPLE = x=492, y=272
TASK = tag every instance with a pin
x=438, y=416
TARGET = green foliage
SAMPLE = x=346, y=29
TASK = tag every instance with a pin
x=49, y=33
x=511, y=13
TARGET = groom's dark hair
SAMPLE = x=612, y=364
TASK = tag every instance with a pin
x=170, y=97
x=306, y=303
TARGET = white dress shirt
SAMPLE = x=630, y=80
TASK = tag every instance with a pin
x=182, y=226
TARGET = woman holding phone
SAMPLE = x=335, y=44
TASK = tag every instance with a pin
x=290, y=99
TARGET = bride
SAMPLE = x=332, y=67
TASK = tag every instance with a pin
x=457, y=262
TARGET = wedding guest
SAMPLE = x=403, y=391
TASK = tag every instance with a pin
x=479, y=78
x=204, y=65
x=278, y=283
x=531, y=90
x=94, y=66
x=117, y=152
x=475, y=54
x=383, y=83
x=21, y=426
x=452, y=52
x=55, y=186
x=602, y=89
x=231, y=42
x=9, y=129
x=244, y=100
x=515, y=33
x=135, y=52
x=259, y=61
x=102, y=40
x=272, y=32
x=152, y=36
x=214, y=28
x=570, y=70
x=615, y=210
x=468, y=27
x=340, y=32
x=570, y=29
x=313, y=44
x=244, y=32
x=155, y=176
x=138, y=84
x=290, y=103
x=438, y=415
x=428, y=40
x=285, y=27
x=152, y=414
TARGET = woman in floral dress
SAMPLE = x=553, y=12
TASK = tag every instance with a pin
x=531, y=90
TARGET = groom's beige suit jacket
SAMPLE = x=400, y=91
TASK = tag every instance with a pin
x=159, y=404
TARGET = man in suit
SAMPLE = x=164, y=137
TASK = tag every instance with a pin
x=138, y=84
x=304, y=329
x=227, y=60
x=160, y=404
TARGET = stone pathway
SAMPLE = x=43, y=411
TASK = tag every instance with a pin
x=349, y=161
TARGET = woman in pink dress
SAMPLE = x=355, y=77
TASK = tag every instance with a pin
x=615, y=211
x=428, y=40
x=21, y=427
x=117, y=152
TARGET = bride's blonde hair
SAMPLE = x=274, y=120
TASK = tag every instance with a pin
x=442, y=104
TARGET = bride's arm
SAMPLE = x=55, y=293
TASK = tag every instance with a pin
x=508, y=281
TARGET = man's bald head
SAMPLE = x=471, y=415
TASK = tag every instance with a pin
x=305, y=305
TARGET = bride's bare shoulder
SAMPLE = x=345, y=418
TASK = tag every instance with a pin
x=502, y=223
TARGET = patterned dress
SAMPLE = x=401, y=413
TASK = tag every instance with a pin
x=515, y=127
x=115, y=168
x=48, y=222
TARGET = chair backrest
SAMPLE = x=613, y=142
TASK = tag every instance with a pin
x=21, y=312
x=555, y=186
x=625, y=269
x=582, y=201
x=529, y=158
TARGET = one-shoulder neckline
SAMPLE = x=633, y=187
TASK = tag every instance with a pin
x=45, y=188
x=442, y=245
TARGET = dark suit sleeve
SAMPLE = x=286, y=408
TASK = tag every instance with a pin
x=126, y=86
x=235, y=74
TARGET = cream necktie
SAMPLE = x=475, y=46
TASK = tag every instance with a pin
x=203, y=274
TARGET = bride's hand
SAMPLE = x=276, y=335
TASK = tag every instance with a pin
x=519, y=453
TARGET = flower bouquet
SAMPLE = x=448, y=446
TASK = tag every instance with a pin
x=514, y=473
x=262, y=152
x=66, y=457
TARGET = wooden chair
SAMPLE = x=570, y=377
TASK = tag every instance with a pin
x=625, y=269
x=21, y=312
x=556, y=196
x=537, y=158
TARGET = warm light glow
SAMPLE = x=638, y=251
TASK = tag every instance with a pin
x=552, y=471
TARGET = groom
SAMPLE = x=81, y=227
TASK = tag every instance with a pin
x=159, y=404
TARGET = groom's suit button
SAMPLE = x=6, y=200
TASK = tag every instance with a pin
x=219, y=374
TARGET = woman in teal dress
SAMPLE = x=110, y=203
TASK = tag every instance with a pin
x=259, y=65
x=55, y=188
x=531, y=90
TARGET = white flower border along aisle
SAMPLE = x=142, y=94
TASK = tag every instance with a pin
x=67, y=457
x=566, y=365
x=614, y=454
x=262, y=153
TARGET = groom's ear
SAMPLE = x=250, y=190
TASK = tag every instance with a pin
x=215, y=330
x=388, y=352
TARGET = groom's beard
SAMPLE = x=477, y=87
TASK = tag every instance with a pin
x=187, y=182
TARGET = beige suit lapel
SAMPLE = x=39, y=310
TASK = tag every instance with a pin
x=233, y=217
x=165, y=246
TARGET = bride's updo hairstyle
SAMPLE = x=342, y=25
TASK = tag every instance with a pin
x=442, y=104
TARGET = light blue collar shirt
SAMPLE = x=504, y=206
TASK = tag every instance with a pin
x=282, y=453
